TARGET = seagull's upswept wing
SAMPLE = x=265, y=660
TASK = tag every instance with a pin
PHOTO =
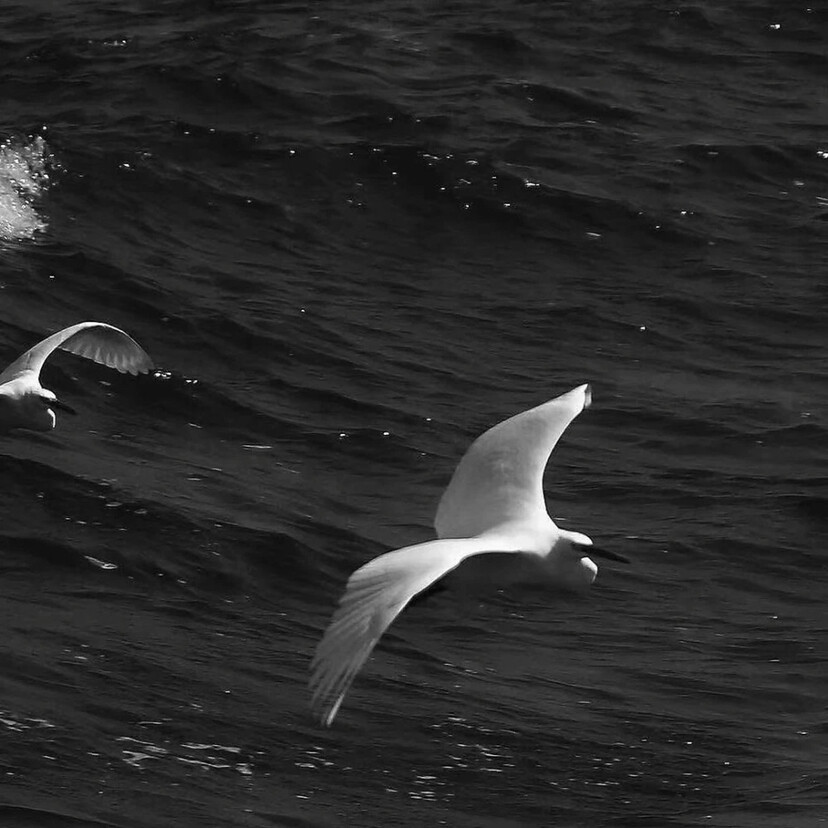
x=375, y=595
x=98, y=341
x=500, y=477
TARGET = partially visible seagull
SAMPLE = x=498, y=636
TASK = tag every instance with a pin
x=493, y=504
x=24, y=403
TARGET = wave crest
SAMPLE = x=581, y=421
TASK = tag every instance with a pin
x=24, y=175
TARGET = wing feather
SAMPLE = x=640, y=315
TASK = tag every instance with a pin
x=500, y=477
x=97, y=341
x=376, y=593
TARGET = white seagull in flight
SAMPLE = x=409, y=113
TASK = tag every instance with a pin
x=493, y=504
x=24, y=403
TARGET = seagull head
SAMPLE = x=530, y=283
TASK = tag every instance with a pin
x=577, y=567
x=42, y=414
x=25, y=404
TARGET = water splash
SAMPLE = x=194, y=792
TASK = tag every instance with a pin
x=24, y=175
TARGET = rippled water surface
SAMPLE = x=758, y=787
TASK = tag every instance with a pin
x=353, y=236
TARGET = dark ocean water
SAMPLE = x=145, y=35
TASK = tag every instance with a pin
x=353, y=236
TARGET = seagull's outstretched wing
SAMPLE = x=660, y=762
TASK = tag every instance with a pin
x=500, y=477
x=103, y=343
x=375, y=595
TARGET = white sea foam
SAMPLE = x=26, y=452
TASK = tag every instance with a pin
x=24, y=175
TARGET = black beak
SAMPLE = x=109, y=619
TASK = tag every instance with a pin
x=61, y=406
x=597, y=552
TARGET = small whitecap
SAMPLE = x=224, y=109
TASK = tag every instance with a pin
x=100, y=564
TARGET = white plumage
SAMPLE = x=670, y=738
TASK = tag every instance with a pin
x=493, y=504
x=24, y=403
